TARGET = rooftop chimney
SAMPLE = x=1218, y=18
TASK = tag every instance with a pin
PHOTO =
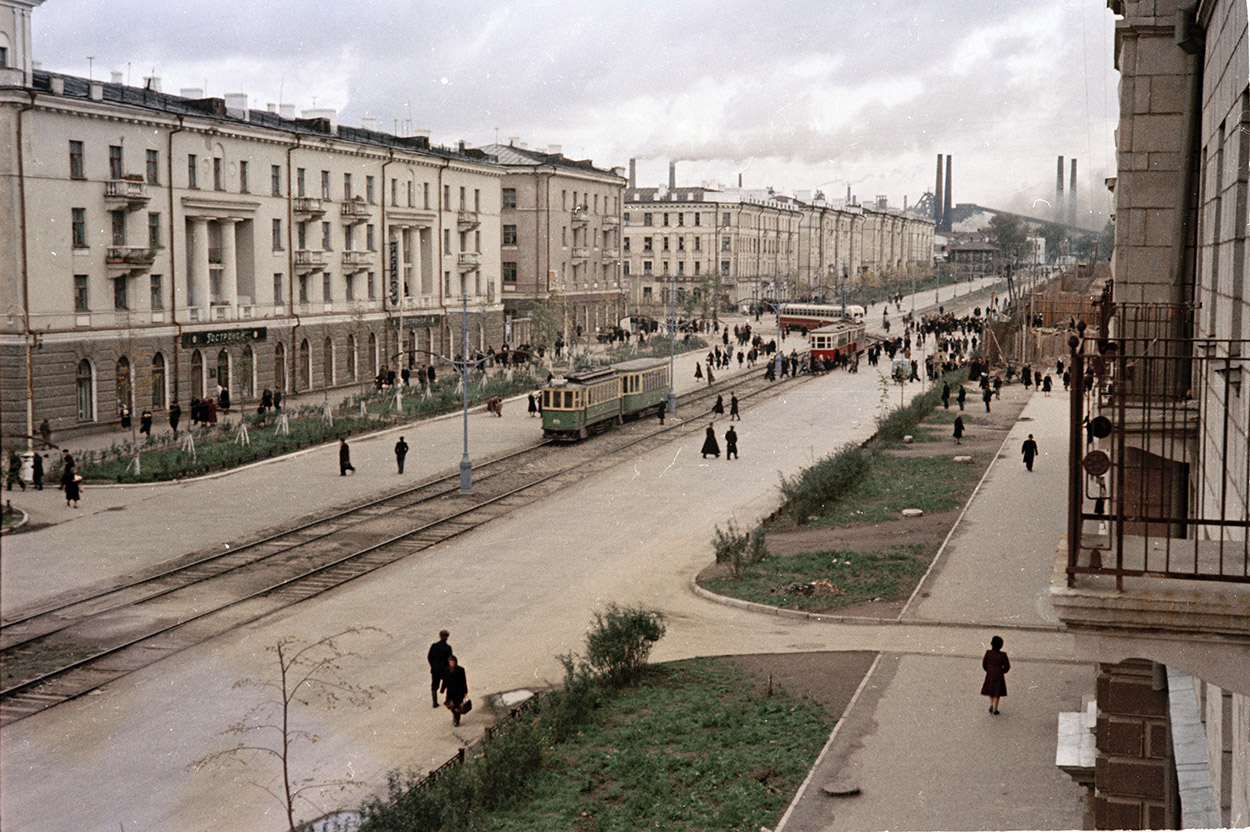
x=672, y=176
x=369, y=123
x=514, y=141
x=191, y=92
x=557, y=149
x=1072, y=195
x=286, y=110
x=116, y=76
x=937, y=193
x=236, y=104
x=1059, y=192
x=739, y=180
x=96, y=91
x=633, y=173
x=152, y=82
x=946, y=197
x=327, y=113
x=271, y=107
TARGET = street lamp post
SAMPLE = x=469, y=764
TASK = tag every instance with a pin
x=466, y=466
x=845, y=274
x=672, y=343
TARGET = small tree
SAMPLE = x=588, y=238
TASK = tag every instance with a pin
x=308, y=672
x=1009, y=234
x=620, y=641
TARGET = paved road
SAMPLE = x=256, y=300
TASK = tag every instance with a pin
x=515, y=595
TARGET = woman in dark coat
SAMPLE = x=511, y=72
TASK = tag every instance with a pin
x=995, y=664
x=719, y=407
x=961, y=397
x=959, y=429
x=946, y=395
x=533, y=406
x=456, y=687
x=710, y=445
x=70, y=480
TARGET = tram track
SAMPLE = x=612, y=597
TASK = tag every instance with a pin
x=62, y=652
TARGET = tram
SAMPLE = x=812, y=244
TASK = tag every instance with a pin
x=811, y=316
x=838, y=340
x=578, y=404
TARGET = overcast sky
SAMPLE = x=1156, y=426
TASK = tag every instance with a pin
x=793, y=95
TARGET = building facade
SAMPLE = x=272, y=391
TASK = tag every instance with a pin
x=157, y=246
x=1156, y=564
x=560, y=239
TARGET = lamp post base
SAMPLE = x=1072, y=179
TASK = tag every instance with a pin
x=466, y=476
x=672, y=401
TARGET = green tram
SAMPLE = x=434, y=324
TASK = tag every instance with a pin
x=576, y=404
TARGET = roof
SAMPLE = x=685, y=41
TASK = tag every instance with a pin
x=635, y=364
x=513, y=156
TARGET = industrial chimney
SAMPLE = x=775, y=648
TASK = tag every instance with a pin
x=937, y=194
x=946, y=197
x=1072, y=195
x=1059, y=192
x=633, y=173
x=672, y=176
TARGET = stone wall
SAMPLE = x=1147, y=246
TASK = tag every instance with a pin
x=1134, y=782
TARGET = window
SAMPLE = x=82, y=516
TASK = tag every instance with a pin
x=646, y=243
x=625, y=268
x=509, y=235
x=325, y=236
x=219, y=175
x=154, y=230
x=509, y=271
x=325, y=184
x=76, y=170
x=665, y=267
x=370, y=242
x=564, y=200
x=646, y=219
x=373, y=286
x=724, y=244
x=299, y=182
x=664, y=243
x=301, y=236
x=564, y=235
x=509, y=197
x=277, y=235
x=665, y=220
x=410, y=187
x=477, y=199
x=462, y=203
x=681, y=243
x=646, y=267
x=191, y=172
x=464, y=241
x=347, y=186
x=78, y=227
x=696, y=266
x=157, y=290
x=625, y=218
x=349, y=242
x=303, y=288
x=119, y=227
x=85, y=388
x=395, y=192
x=425, y=194
x=158, y=381
x=477, y=241
x=697, y=217
x=724, y=219
x=681, y=267
x=243, y=188
x=80, y=294
x=275, y=180
x=351, y=357
x=121, y=298
x=446, y=241
x=277, y=287
x=605, y=202
x=627, y=245
x=349, y=280
x=446, y=206
x=115, y=162
x=325, y=286
x=370, y=196
x=724, y=267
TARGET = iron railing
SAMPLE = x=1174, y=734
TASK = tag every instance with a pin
x=1159, y=456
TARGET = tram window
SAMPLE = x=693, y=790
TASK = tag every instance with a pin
x=546, y=399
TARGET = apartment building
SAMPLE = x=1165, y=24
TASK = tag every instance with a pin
x=1153, y=577
x=157, y=246
x=560, y=237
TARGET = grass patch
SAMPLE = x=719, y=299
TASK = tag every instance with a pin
x=933, y=484
x=691, y=747
x=888, y=575
x=10, y=515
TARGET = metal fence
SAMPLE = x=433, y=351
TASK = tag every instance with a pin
x=1159, y=468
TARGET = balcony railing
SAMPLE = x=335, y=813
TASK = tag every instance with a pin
x=469, y=260
x=1159, y=470
x=308, y=205
x=611, y=254
x=355, y=210
x=611, y=220
x=581, y=253
x=134, y=193
x=129, y=259
x=467, y=220
x=580, y=216
x=309, y=260
x=356, y=259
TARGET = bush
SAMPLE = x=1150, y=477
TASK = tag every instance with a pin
x=826, y=482
x=619, y=642
x=739, y=549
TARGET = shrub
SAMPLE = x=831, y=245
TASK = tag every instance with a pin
x=619, y=642
x=739, y=549
x=826, y=482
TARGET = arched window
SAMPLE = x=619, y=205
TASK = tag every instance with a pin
x=351, y=357
x=123, y=386
x=247, y=373
x=158, y=381
x=279, y=367
x=197, y=374
x=327, y=362
x=85, y=388
x=305, y=365
x=223, y=369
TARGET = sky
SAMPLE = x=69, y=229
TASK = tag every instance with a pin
x=797, y=96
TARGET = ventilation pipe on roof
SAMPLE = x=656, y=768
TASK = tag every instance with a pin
x=116, y=77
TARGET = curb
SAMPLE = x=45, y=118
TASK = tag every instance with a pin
x=15, y=526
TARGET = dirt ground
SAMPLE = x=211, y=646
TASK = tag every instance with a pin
x=827, y=678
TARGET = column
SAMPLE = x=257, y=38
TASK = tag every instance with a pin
x=197, y=271
x=229, y=265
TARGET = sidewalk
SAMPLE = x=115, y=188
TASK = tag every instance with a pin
x=918, y=740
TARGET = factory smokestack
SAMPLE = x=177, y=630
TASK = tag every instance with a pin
x=633, y=173
x=1059, y=192
x=672, y=176
x=937, y=194
x=1072, y=196
x=946, y=197
x=739, y=181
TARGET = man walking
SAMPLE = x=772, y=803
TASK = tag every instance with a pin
x=438, y=656
x=1029, y=451
x=345, y=459
x=401, y=451
x=731, y=444
x=733, y=407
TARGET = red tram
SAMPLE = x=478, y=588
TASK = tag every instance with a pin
x=840, y=340
x=811, y=316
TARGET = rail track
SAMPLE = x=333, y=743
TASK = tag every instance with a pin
x=61, y=652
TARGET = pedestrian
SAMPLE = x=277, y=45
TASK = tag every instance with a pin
x=277, y=399
x=659, y=411
x=710, y=445
x=996, y=665
x=401, y=451
x=733, y=407
x=37, y=472
x=70, y=481
x=45, y=432
x=1047, y=384
x=719, y=407
x=986, y=395
x=439, y=653
x=223, y=399
x=532, y=405
x=145, y=422
x=946, y=395
x=959, y=429
x=698, y=370
x=125, y=417
x=345, y=459
x=1029, y=451
x=429, y=374
x=710, y=378
x=961, y=396
x=175, y=413
x=731, y=444
x=266, y=399
x=15, y=470
x=457, y=689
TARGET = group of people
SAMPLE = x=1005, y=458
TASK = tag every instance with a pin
x=447, y=677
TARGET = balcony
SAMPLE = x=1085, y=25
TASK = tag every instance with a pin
x=581, y=253
x=357, y=260
x=611, y=220
x=308, y=206
x=611, y=254
x=467, y=220
x=580, y=216
x=469, y=260
x=307, y=260
x=131, y=194
x=355, y=211
x=122, y=260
